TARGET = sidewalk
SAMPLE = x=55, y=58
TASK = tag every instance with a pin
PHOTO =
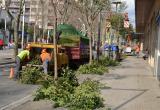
x=133, y=87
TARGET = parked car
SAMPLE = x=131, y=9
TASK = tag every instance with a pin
x=129, y=51
x=3, y=40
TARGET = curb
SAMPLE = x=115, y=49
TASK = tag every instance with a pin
x=4, y=63
x=16, y=103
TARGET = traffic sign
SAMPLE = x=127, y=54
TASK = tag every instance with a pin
x=108, y=24
x=126, y=24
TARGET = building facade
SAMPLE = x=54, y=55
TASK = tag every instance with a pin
x=39, y=13
x=148, y=24
x=42, y=13
x=14, y=9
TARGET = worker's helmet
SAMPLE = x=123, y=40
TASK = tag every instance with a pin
x=28, y=46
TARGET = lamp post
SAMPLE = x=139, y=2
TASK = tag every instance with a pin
x=117, y=3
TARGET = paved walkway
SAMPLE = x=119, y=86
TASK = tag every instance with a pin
x=133, y=87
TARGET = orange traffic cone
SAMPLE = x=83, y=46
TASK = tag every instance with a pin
x=11, y=75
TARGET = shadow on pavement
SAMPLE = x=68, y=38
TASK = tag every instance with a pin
x=142, y=91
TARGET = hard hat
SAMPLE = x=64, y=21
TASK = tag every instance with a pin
x=28, y=46
x=43, y=51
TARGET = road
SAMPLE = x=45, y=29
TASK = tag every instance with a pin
x=12, y=93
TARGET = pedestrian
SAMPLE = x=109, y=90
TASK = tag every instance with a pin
x=137, y=48
x=145, y=56
x=46, y=58
x=1, y=44
x=21, y=58
x=114, y=51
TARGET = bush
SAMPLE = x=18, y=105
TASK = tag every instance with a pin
x=35, y=61
x=31, y=75
x=66, y=92
x=105, y=61
x=87, y=96
x=93, y=68
x=60, y=90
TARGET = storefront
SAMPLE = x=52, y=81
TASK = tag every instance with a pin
x=147, y=22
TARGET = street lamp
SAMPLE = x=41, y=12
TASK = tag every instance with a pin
x=117, y=3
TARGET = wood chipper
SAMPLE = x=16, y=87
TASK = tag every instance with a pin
x=36, y=48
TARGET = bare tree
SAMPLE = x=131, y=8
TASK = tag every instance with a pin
x=16, y=25
x=90, y=9
x=61, y=13
x=16, y=21
x=65, y=10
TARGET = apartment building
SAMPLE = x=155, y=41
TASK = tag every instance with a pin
x=45, y=8
x=148, y=23
x=37, y=9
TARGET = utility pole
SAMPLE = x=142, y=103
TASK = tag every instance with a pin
x=5, y=28
x=22, y=43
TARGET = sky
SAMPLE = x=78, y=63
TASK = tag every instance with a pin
x=131, y=11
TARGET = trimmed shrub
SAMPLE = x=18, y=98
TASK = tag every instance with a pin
x=87, y=96
x=105, y=61
x=66, y=92
x=35, y=61
x=60, y=90
x=31, y=75
x=93, y=68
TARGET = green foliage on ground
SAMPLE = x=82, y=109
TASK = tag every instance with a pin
x=35, y=61
x=31, y=75
x=87, y=96
x=59, y=90
x=105, y=61
x=93, y=68
x=67, y=92
x=97, y=66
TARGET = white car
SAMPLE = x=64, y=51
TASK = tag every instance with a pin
x=128, y=50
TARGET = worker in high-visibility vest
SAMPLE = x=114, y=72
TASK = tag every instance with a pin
x=20, y=59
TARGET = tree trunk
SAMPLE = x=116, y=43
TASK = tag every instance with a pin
x=16, y=28
x=99, y=35
x=15, y=39
x=55, y=44
x=90, y=45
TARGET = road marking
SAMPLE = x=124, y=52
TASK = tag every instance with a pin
x=16, y=103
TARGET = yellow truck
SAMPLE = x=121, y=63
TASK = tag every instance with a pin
x=62, y=57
